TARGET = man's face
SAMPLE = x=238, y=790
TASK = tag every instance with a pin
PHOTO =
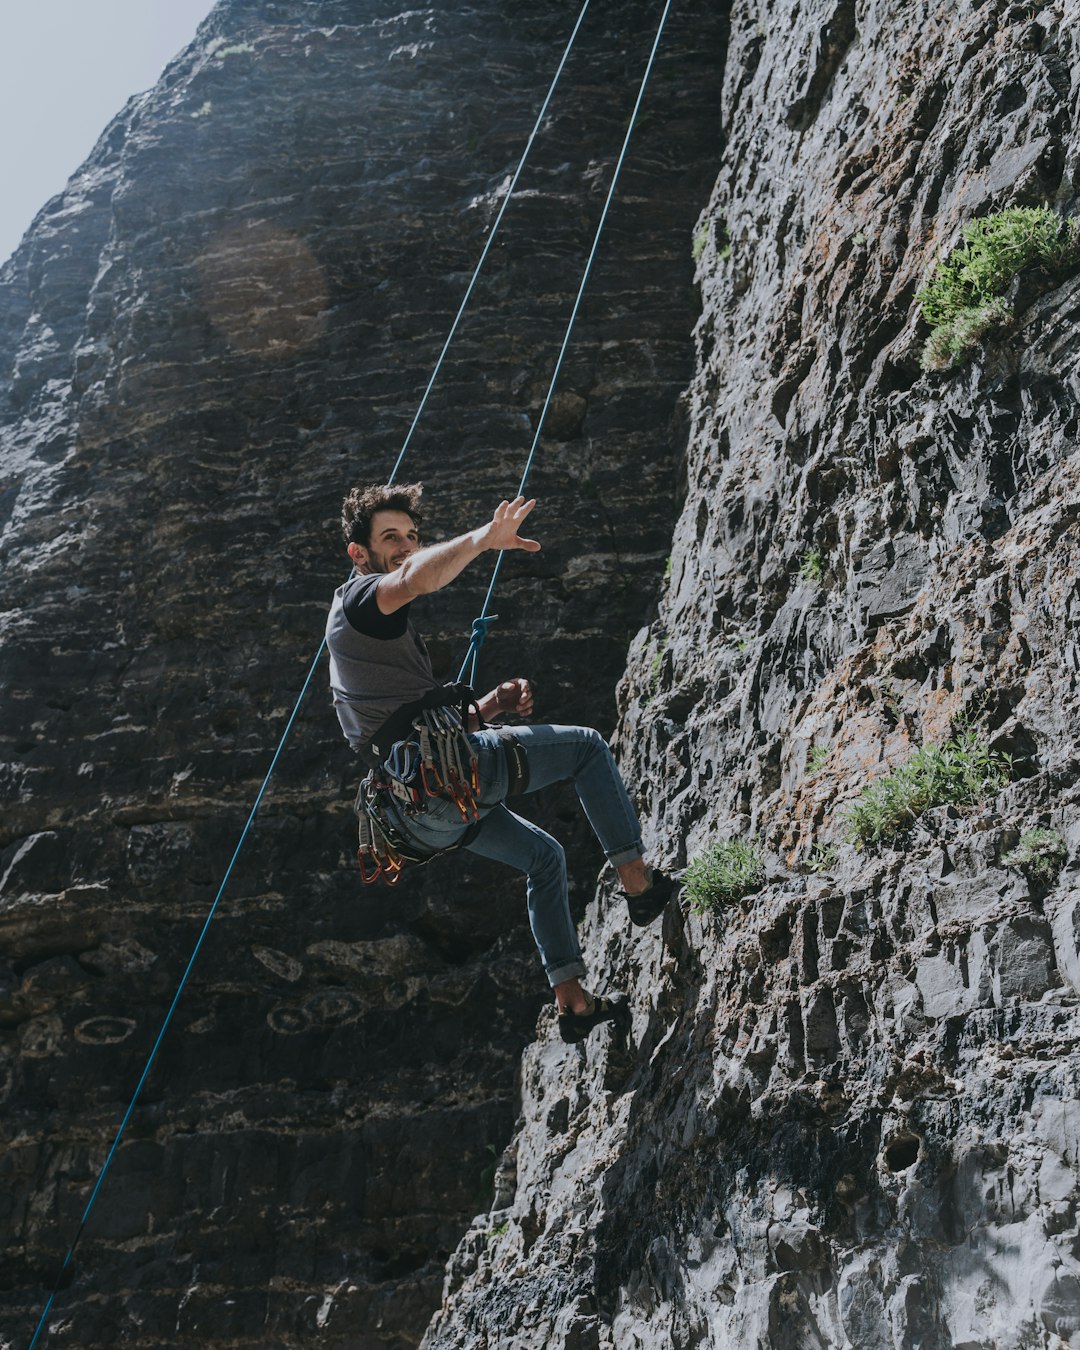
x=393, y=539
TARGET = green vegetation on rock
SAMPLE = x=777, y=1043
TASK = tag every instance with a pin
x=818, y=758
x=812, y=566
x=964, y=298
x=822, y=858
x=718, y=230
x=950, y=343
x=726, y=872
x=960, y=773
x=656, y=665
x=1040, y=855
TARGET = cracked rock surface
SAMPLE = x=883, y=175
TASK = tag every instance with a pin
x=226, y=320
x=847, y=1115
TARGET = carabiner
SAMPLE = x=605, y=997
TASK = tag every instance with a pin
x=425, y=768
x=369, y=880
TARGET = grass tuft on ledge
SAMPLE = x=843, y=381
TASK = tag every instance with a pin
x=964, y=298
x=1040, y=855
x=727, y=871
x=959, y=773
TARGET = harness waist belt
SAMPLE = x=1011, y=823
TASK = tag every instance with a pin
x=399, y=725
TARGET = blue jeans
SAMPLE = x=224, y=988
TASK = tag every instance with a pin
x=556, y=754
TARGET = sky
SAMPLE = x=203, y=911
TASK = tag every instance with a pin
x=67, y=67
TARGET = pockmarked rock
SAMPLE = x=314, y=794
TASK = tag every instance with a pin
x=226, y=319
x=848, y=1113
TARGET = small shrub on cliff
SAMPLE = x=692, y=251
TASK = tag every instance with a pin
x=656, y=669
x=818, y=758
x=1040, y=855
x=726, y=872
x=812, y=566
x=949, y=344
x=718, y=230
x=960, y=773
x=964, y=298
x=822, y=858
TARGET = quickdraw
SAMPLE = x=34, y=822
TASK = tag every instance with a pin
x=436, y=761
x=378, y=854
x=445, y=747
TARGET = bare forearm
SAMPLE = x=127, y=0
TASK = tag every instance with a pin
x=436, y=566
x=430, y=569
x=489, y=709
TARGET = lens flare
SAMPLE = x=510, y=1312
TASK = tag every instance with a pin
x=263, y=289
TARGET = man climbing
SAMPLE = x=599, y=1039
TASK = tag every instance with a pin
x=380, y=675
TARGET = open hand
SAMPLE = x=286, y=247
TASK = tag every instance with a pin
x=502, y=533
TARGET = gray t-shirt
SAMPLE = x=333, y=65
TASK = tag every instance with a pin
x=377, y=661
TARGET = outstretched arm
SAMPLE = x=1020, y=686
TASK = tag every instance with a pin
x=432, y=568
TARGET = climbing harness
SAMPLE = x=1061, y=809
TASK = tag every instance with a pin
x=458, y=768
x=432, y=760
x=429, y=759
x=384, y=850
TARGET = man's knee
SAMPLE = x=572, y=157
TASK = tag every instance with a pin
x=547, y=858
x=596, y=744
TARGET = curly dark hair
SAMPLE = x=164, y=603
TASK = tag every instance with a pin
x=360, y=505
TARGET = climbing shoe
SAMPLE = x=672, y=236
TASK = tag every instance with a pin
x=651, y=904
x=575, y=1026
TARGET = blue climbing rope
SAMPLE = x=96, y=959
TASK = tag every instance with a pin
x=69, y=1257
x=176, y=999
x=482, y=623
x=490, y=240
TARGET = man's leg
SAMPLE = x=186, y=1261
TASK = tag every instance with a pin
x=581, y=755
x=507, y=838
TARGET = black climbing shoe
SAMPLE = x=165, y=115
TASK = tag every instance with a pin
x=651, y=904
x=574, y=1027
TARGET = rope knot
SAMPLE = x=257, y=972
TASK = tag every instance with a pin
x=480, y=628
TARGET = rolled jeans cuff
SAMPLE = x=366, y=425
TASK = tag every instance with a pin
x=573, y=970
x=625, y=855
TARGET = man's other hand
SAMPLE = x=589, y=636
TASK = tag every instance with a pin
x=515, y=696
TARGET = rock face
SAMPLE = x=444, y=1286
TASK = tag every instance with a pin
x=226, y=320
x=847, y=1115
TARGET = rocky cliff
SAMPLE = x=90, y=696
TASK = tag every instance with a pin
x=226, y=320
x=847, y=1115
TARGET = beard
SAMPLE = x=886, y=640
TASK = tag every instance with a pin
x=384, y=563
